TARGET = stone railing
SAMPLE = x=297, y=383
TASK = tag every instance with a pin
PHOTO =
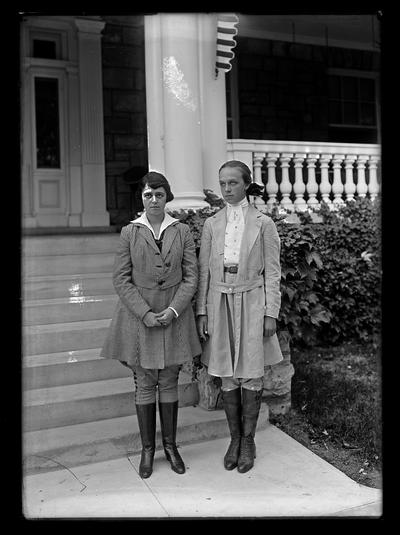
x=299, y=175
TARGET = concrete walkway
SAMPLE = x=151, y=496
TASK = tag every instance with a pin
x=287, y=480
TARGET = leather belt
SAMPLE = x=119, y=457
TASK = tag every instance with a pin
x=231, y=269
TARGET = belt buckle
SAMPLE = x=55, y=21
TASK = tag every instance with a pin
x=231, y=269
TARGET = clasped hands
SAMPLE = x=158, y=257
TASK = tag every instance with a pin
x=158, y=319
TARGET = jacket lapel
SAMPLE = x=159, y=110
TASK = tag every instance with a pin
x=169, y=236
x=219, y=225
x=146, y=233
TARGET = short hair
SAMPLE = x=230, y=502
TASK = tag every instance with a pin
x=246, y=173
x=156, y=180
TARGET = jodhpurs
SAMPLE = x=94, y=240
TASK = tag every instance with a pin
x=147, y=382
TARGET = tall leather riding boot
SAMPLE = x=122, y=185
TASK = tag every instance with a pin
x=146, y=415
x=168, y=420
x=233, y=409
x=251, y=403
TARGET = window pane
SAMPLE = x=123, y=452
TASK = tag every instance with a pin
x=44, y=49
x=367, y=89
x=335, y=115
x=350, y=113
x=334, y=87
x=368, y=114
x=349, y=86
x=47, y=123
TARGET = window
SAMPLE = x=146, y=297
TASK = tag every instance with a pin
x=47, y=123
x=352, y=108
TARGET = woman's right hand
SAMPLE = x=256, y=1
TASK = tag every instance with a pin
x=150, y=320
x=202, y=327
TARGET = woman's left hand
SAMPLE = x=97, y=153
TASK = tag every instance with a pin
x=165, y=317
x=269, y=326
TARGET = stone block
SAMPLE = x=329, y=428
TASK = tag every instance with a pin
x=114, y=78
x=122, y=142
x=122, y=56
x=126, y=101
x=117, y=125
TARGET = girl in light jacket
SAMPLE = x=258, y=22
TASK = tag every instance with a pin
x=237, y=306
x=153, y=330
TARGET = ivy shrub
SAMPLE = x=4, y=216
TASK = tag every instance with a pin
x=331, y=272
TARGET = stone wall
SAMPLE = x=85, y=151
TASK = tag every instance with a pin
x=124, y=93
x=283, y=87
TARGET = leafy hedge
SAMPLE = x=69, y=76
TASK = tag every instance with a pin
x=331, y=272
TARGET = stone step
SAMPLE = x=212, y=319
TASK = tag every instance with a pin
x=70, y=336
x=52, y=264
x=57, y=286
x=74, y=445
x=67, y=244
x=69, y=367
x=87, y=402
x=68, y=309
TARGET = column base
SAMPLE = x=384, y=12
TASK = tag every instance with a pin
x=187, y=201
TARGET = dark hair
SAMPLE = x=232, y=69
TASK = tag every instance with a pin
x=156, y=180
x=246, y=173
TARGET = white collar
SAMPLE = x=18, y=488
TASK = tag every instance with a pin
x=242, y=204
x=166, y=222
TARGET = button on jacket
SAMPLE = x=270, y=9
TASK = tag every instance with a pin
x=146, y=278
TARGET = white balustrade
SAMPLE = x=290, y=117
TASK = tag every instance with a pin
x=312, y=186
x=299, y=187
x=337, y=186
x=362, y=187
x=314, y=164
x=272, y=185
x=286, y=186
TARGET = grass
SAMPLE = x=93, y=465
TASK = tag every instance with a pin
x=336, y=408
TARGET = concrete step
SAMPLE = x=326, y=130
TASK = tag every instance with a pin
x=69, y=367
x=76, y=285
x=68, y=309
x=66, y=244
x=74, y=445
x=70, y=336
x=86, y=402
x=52, y=264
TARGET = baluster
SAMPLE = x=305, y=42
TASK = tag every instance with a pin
x=312, y=186
x=299, y=187
x=349, y=185
x=373, y=186
x=272, y=185
x=286, y=186
x=337, y=186
x=362, y=187
x=258, y=158
x=325, y=186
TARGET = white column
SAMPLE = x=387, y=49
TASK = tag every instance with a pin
x=337, y=186
x=212, y=104
x=373, y=186
x=349, y=186
x=286, y=186
x=174, y=125
x=92, y=132
x=325, y=186
x=362, y=187
x=272, y=185
x=312, y=186
x=299, y=187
